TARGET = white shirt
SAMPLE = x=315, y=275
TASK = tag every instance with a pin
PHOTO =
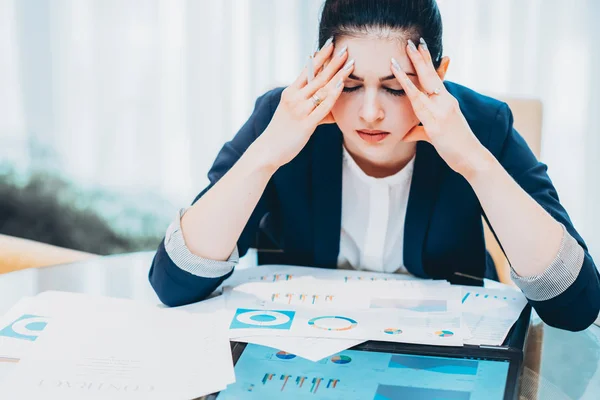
x=373, y=214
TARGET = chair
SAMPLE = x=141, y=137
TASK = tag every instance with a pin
x=528, y=122
x=17, y=254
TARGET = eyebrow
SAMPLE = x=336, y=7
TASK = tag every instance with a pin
x=382, y=79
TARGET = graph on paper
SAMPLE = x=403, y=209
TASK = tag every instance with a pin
x=490, y=301
x=295, y=383
x=302, y=298
x=419, y=305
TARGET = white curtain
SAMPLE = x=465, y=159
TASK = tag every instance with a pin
x=139, y=95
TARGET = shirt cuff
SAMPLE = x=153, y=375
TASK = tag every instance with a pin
x=183, y=258
x=558, y=277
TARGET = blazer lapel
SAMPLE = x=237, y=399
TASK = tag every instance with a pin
x=327, y=194
x=423, y=193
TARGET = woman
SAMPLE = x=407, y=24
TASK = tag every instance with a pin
x=378, y=164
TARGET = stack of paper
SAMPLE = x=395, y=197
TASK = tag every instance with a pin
x=314, y=313
x=74, y=346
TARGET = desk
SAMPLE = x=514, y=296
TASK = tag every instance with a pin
x=558, y=364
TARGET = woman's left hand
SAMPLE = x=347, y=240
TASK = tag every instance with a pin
x=443, y=124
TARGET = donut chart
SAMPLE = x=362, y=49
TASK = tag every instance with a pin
x=333, y=323
x=262, y=319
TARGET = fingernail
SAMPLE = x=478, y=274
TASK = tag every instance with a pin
x=339, y=84
x=327, y=43
x=395, y=64
x=411, y=45
x=342, y=51
x=310, y=68
x=349, y=65
x=423, y=44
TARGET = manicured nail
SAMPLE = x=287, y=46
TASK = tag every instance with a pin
x=311, y=69
x=395, y=64
x=411, y=45
x=327, y=43
x=342, y=51
x=339, y=84
x=349, y=65
x=423, y=44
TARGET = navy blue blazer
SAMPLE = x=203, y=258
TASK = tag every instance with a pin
x=300, y=211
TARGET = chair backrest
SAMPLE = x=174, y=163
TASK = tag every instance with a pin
x=528, y=122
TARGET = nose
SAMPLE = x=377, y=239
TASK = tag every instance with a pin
x=371, y=110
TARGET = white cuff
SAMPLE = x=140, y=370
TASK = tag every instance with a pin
x=189, y=262
x=558, y=277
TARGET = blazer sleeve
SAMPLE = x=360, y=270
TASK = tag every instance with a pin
x=567, y=294
x=177, y=283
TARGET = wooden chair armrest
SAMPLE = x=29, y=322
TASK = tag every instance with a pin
x=17, y=254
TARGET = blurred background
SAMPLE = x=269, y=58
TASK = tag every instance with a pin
x=112, y=111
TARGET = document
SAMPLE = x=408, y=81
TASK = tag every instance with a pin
x=313, y=349
x=279, y=273
x=391, y=325
x=489, y=314
x=94, y=348
x=309, y=292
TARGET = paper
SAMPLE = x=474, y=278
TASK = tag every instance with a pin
x=18, y=330
x=115, y=349
x=442, y=329
x=313, y=349
x=279, y=273
x=308, y=292
x=489, y=314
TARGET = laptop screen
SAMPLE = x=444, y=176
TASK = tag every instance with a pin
x=264, y=373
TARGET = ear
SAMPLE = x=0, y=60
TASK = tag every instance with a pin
x=443, y=68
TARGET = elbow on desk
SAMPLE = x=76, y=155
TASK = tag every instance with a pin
x=175, y=287
x=576, y=308
x=571, y=320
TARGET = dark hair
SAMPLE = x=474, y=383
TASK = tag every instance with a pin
x=414, y=18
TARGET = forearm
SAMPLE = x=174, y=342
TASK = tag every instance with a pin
x=531, y=237
x=212, y=226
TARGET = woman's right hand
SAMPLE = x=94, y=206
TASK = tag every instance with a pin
x=305, y=105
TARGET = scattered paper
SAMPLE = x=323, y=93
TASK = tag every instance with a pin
x=489, y=314
x=98, y=348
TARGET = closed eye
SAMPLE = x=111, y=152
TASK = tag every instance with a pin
x=350, y=89
x=393, y=92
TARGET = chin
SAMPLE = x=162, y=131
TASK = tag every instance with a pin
x=377, y=152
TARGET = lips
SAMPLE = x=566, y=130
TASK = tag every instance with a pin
x=372, y=136
x=371, y=132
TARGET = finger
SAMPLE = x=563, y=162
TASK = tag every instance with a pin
x=420, y=102
x=317, y=62
x=428, y=77
x=310, y=69
x=424, y=50
x=416, y=134
x=334, y=89
x=327, y=73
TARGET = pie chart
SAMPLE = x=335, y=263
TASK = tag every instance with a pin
x=392, y=331
x=285, y=356
x=444, y=333
x=341, y=359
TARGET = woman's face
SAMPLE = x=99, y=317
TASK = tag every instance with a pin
x=373, y=112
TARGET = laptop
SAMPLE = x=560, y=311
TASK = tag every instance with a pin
x=383, y=371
